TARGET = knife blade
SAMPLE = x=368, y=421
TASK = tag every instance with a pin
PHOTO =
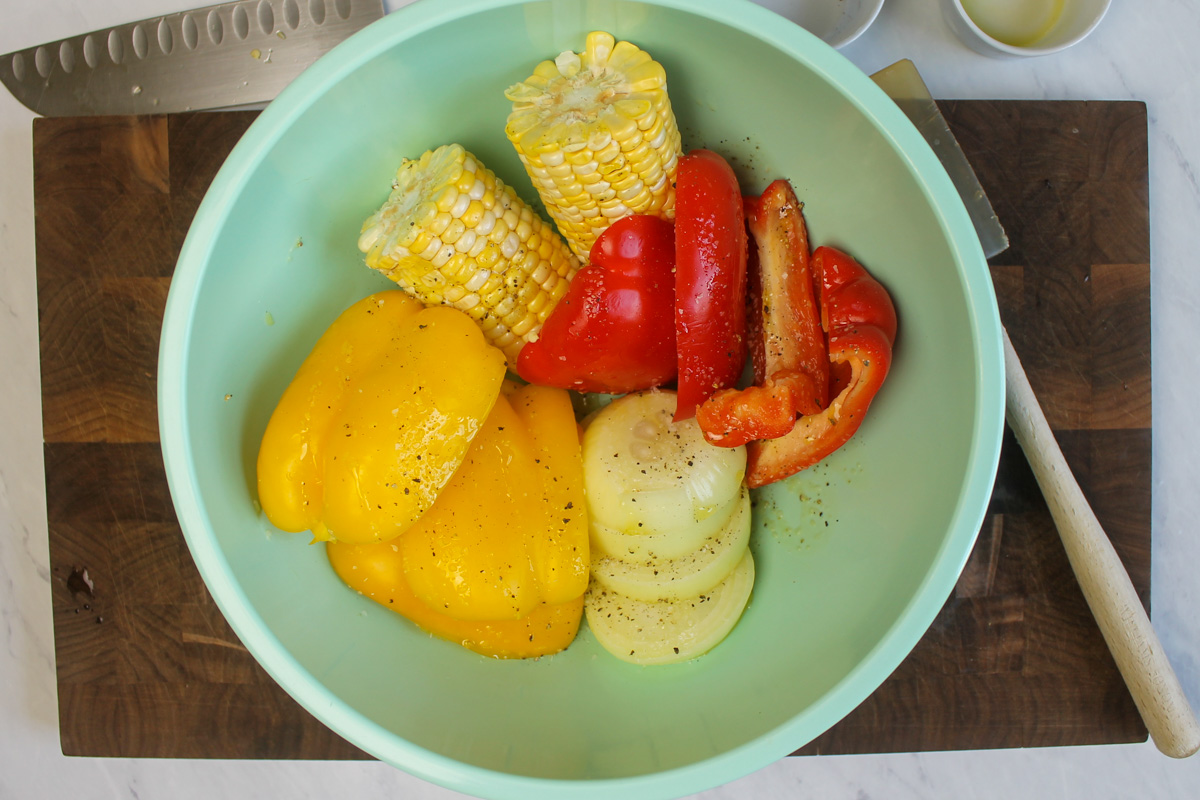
x=231, y=54
x=904, y=85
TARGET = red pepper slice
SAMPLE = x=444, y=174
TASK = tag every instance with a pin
x=861, y=321
x=710, y=278
x=822, y=328
x=612, y=332
x=787, y=345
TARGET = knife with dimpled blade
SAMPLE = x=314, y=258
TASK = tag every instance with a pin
x=234, y=54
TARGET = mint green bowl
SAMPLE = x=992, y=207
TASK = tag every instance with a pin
x=855, y=557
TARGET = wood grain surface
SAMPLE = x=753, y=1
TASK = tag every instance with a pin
x=147, y=666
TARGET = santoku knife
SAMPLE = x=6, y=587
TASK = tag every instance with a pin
x=233, y=54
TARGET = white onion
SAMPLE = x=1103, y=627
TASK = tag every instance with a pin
x=645, y=474
x=650, y=578
x=664, y=632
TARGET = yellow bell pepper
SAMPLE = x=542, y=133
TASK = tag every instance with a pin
x=377, y=572
x=377, y=419
x=561, y=559
x=500, y=561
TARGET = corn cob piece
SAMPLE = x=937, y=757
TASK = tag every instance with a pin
x=597, y=135
x=452, y=233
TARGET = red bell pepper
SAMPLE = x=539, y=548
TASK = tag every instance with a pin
x=787, y=346
x=859, y=321
x=710, y=278
x=612, y=332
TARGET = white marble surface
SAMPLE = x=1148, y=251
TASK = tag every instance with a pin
x=1145, y=50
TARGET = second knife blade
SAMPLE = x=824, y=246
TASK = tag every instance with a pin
x=904, y=85
x=221, y=56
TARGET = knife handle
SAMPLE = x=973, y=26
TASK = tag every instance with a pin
x=1102, y=577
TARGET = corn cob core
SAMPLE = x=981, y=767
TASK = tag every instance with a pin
x=597, y=135
x=452, y=233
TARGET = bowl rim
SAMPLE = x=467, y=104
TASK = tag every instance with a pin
x=868, y=12
x=853, y=688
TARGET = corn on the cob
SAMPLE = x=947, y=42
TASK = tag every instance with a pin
x=597, y=135
x=453, y=233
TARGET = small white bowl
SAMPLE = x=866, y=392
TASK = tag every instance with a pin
x=1077, y=19
x=836, y=22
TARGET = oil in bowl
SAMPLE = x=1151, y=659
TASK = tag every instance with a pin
x=1020, y=23
x=1007, y=28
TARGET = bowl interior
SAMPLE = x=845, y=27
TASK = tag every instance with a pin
x=854, y=556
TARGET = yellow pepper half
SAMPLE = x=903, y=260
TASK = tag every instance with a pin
x=377, y=419
x=500, y=562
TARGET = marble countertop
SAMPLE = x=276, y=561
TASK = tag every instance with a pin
x=1144, y=51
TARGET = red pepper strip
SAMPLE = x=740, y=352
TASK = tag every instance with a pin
x=734, y=417
x=710, y=278
x=785, y=290
x=613, y=330
x=787, y=345
x=861, y=322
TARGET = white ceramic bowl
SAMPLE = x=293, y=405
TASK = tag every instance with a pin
x=835, y=22
x=1077, y=19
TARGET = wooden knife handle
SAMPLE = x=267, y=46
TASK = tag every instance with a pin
x=1105, y=583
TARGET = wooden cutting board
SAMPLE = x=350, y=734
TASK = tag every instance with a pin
x=147, y=666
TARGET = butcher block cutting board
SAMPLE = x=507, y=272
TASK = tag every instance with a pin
x=147, y=666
